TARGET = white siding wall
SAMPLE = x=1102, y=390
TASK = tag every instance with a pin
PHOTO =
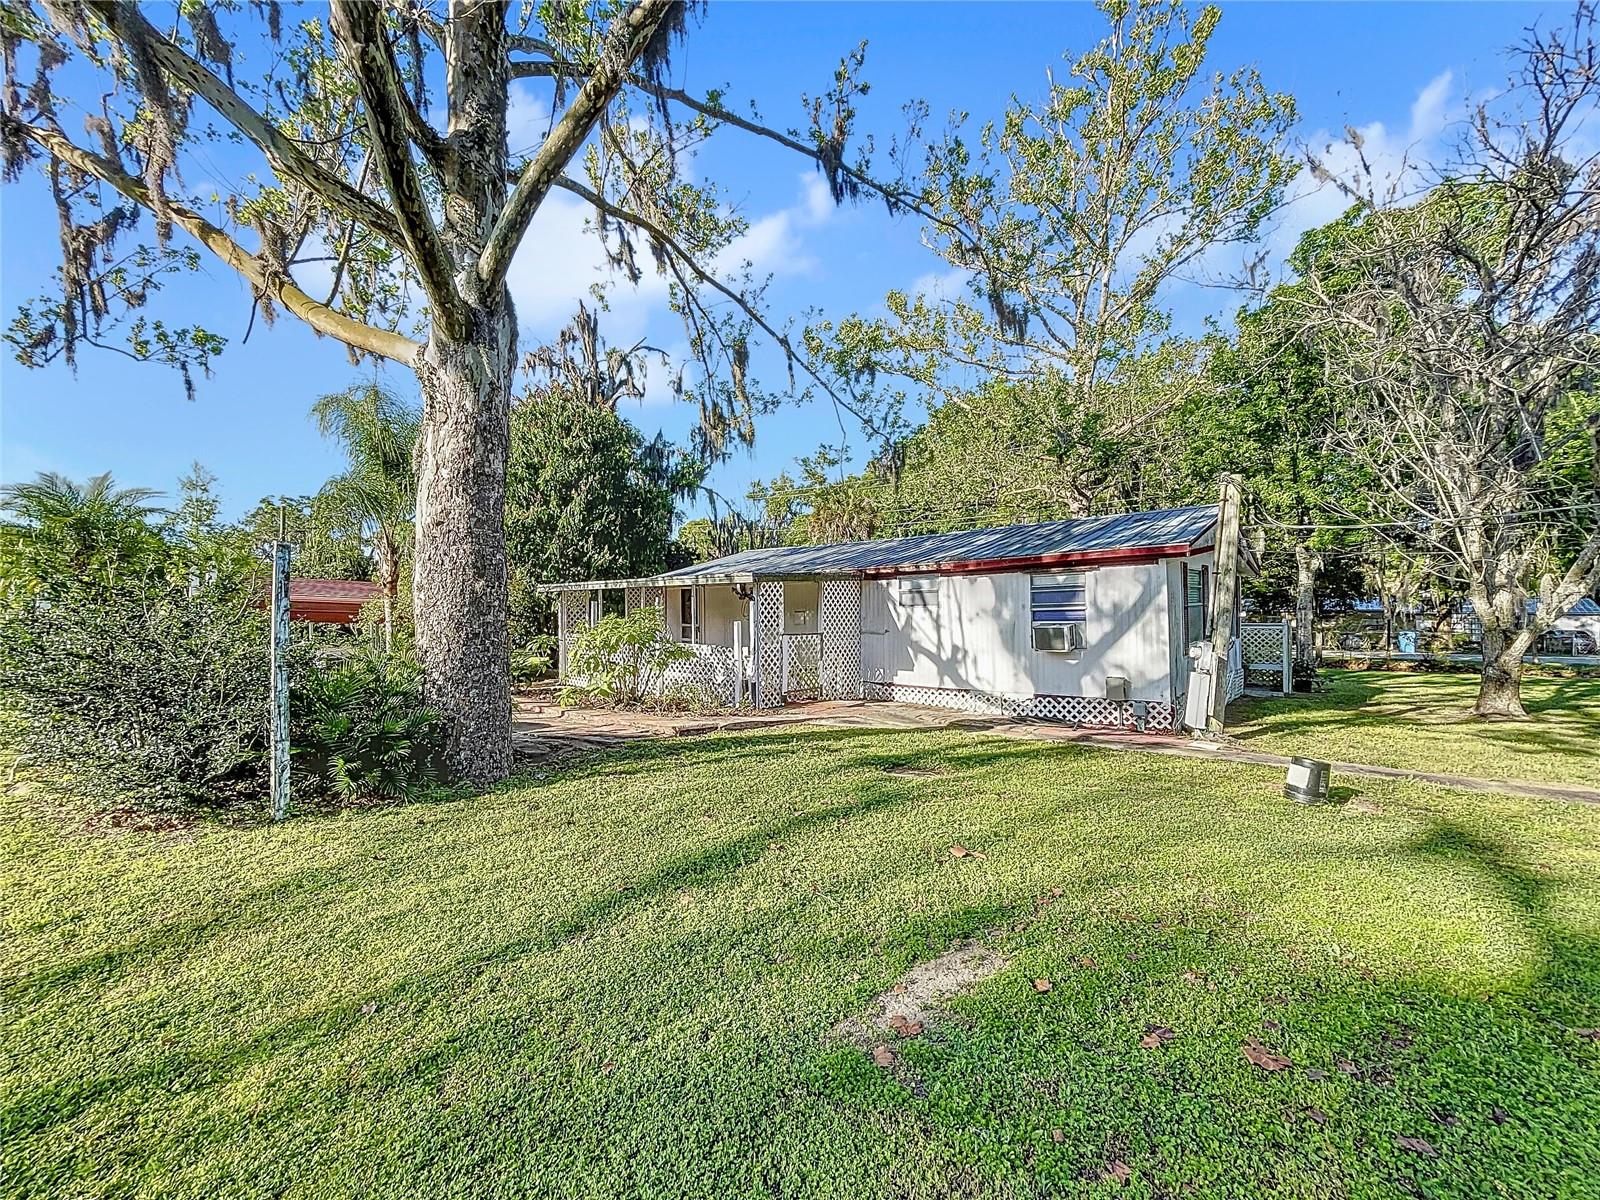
x=979, y=636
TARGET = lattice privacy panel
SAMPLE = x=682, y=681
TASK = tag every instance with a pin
x=839, y=619
x=1071, y=710
x=1235, y=671
x=802, y=662
x=653, y=594
x=630, y=598
x=1262, y=643
x=574, y=615
x=1264, y=646
x=769, y=642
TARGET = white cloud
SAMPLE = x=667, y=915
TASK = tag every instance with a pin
x=775, y=244
x=1429, y=112
x=561, y=258
x=1397, y=160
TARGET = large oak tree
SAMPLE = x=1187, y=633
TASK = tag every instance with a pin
x=380, y=140
x=1465, y=328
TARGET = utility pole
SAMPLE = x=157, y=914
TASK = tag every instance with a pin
x=280, y=672
x=1226, y=587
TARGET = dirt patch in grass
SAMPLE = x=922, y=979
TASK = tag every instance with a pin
x=912, y=771
x=916, y=1001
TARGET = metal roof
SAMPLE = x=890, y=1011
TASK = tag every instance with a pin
x=1171, y=530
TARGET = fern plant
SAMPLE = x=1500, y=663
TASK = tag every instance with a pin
x=364, y=733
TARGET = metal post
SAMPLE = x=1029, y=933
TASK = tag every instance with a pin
x=1226, y=590
x=280, y=680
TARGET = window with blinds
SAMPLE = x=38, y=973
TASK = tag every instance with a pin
x=1195, y=592
x=1060, y=606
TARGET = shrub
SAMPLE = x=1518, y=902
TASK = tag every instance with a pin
x=140, y=692
x=361, y=731
x=623, y=658
x=534, y=660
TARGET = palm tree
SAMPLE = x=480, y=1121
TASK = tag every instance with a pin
x=378, y=431
x=55, y=529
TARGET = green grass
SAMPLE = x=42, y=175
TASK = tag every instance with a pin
x=621, y=981
x=1424, y=722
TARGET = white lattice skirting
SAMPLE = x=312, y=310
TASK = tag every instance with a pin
x=1071, y=710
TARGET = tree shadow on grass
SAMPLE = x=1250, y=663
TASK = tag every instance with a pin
x=979, y=1083
x=31, y=1112
x=1038, y=1094
x=1563, y=723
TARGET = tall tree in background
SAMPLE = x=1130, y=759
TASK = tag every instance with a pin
x=1067, y=220
x=1466, y=324
x=1267, y=411
x=421, y=207
x=378, y=491
x=587, y=495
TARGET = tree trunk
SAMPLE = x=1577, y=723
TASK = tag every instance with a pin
x=460, y=575
x=1306, y=565
x=1500, y=686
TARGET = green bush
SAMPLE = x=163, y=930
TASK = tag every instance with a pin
x=140, y=692
x=534, y=660
x=361, y=731
x=623, y=658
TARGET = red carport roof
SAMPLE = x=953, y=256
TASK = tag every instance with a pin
x=334, y=601
x=358, y=590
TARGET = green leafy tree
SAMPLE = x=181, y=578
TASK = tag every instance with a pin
x=1067, y=219
x=56, y=532
x=587, y=497
x=378, y=492
x=1266, y=410
x=421, y=222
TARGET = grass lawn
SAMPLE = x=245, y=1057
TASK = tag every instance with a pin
x=621, y=980
x=1423, y=722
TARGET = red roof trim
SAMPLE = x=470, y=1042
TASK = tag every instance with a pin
x=1127, y=556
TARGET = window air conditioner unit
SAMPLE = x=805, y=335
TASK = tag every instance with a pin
x=1058, y=637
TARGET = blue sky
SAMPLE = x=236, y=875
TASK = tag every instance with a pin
x=1399, y=72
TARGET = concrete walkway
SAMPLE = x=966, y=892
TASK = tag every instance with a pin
x=545, y=732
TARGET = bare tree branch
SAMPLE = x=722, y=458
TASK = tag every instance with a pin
x=320, y=317
x=358, y=26
x=705, y=277
x=291, y=164
x=624, y=43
